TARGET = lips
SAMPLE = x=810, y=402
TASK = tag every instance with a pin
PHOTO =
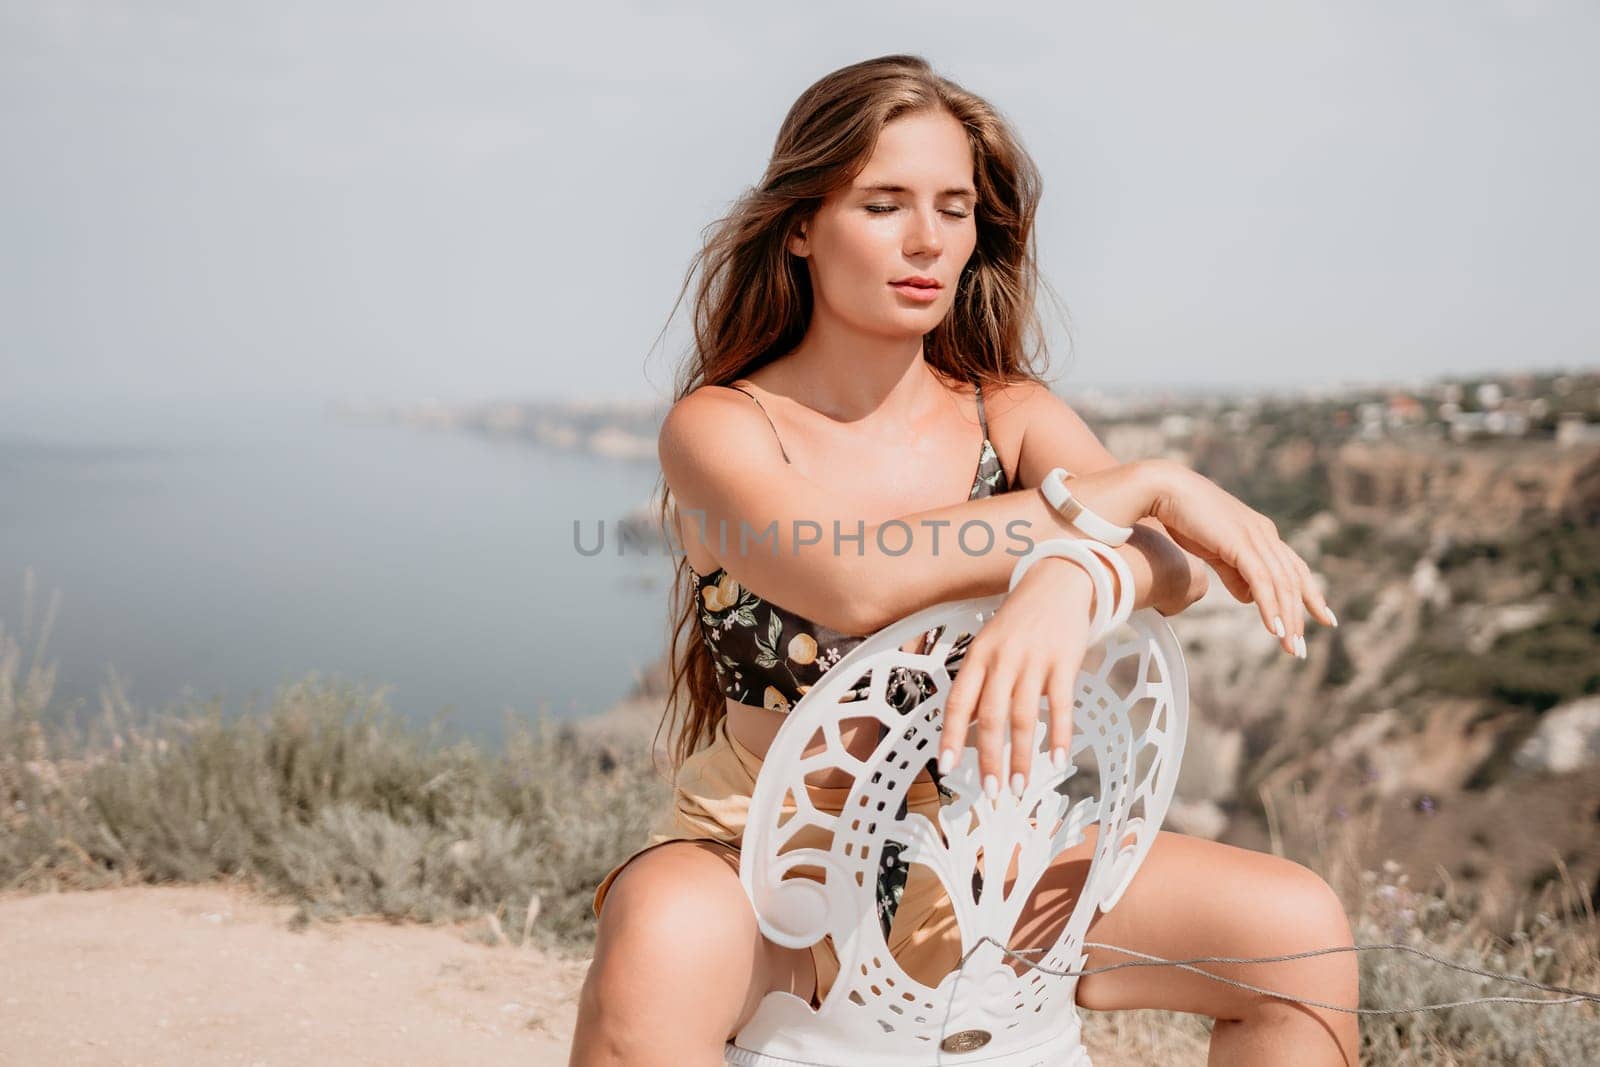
x=918, y=281
x=913, y=290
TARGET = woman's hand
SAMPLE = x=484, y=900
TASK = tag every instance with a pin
x=1243, y=547
x=1033, y=645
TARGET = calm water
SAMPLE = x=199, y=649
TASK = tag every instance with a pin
x=221, y=553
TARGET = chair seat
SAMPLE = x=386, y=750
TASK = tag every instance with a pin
x=1066, y=1050
x=1129, y=721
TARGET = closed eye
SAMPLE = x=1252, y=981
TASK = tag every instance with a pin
x=884, y=209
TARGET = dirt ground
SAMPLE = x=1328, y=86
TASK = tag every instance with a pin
x=190, y=976
x=199, y=975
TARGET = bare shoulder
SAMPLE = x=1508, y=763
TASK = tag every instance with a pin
x=1042, y=431
x=724, y=467
x=710, y=443
x=713, y=421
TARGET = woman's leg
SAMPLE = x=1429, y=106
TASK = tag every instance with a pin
x=1194, y=897
x=680, y=964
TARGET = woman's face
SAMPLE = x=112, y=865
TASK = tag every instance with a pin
x=908, y=214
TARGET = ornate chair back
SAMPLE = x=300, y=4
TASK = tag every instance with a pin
x=1129, y=720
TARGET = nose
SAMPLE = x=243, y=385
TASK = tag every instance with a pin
x=923, y=236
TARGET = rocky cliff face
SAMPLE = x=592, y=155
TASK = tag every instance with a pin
x=1464, y=489
x=1467, y=580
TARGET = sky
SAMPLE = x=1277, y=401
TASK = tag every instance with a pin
x=389, y=202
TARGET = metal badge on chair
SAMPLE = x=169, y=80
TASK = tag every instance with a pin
x=965, y=1041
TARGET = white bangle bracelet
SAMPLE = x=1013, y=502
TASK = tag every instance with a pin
x=1125, y=591
x=1077, y=550
x=1111, y=610
x=1078, y=514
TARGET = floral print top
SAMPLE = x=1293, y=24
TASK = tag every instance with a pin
x=768, y=656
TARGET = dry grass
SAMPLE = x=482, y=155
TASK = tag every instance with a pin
x=326, y=798
x=1551, y=937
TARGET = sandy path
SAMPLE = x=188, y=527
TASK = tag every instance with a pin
x=191, y=976
x=199, y=975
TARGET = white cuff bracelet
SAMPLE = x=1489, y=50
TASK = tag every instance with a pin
x=1076, y=513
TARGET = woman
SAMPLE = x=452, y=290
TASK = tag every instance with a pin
x=859, y=370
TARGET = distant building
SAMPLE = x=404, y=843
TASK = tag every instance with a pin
x=1177, y=425
x=1403, y=409
x=1573, y=430
x=619, y=444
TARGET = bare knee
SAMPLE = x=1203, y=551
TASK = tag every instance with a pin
x=1305, y=914
x=1320, y=911
x=675, y=915
x=677, y=950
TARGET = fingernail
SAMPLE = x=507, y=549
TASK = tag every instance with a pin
x=991, y=786
x=1334, y=617
x=947, y=760
x=1058, y=759
x=1300, y=645
x=1277, y=626
x=1018, y=783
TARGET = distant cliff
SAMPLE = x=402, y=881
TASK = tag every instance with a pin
x=615, y=429
x=1481, y=490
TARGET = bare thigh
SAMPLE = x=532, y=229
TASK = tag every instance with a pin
x=679, y=946
x=1196, y=897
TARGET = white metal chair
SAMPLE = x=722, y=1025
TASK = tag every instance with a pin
x=1130, y=716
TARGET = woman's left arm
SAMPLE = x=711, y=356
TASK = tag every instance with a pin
x=1165, y=576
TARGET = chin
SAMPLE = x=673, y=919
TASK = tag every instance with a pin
x=926, y=318
x=903, y=332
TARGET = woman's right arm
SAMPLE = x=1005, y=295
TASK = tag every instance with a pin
x=727, y=474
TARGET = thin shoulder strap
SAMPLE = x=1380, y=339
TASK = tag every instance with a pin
x=763, y=408
x=977, y=391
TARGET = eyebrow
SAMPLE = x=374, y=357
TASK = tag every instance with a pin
x=885, y=187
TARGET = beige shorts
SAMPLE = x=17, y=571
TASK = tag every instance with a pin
x=712, y=804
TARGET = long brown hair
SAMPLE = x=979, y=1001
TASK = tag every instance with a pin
x=753, y=302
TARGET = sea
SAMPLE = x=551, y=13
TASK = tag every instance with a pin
x=218, y=551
